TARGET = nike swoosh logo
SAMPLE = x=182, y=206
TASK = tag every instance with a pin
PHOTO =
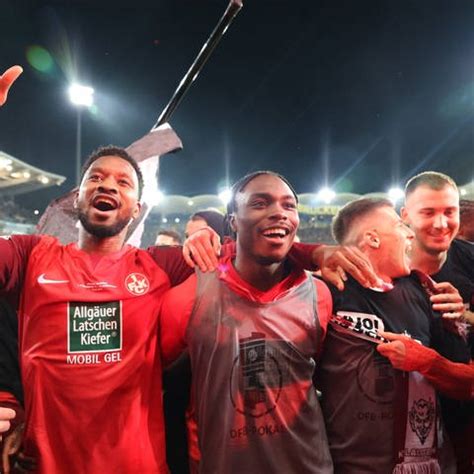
x=42, y=279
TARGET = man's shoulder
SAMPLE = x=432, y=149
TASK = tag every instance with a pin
x=22, y=243
x=461, y=250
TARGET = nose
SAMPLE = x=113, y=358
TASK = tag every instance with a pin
x=278, y=212
x=108, y=184
x=440, y=221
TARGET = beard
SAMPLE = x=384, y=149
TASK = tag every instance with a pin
x=102, y=231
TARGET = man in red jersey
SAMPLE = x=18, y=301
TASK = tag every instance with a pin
x=253, y=330
x=87, y=315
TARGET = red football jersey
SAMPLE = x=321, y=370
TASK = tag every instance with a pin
x=90, y=363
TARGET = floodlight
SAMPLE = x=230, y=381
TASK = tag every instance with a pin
x=225, y=196
x=326, y=195
x=396, y=194
x=81, y=95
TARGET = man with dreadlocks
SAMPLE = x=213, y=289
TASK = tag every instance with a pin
x=254, y=330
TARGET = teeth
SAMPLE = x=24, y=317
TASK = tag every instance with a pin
x=275, y=231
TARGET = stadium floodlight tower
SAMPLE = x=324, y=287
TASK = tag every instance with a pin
x=81, y=96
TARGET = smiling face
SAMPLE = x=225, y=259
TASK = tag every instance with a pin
x=433, y=214
x=108, y=197
x=266, y=219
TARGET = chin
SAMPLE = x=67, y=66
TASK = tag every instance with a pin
x=271, y=259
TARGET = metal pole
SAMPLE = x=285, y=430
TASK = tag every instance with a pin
x=78, y=144
x=209, y=46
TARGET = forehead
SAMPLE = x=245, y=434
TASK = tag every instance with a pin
x=266, y=184
x=113, y=164
x=425, y=197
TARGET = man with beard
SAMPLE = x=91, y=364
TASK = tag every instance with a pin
x=253, y=330
x=87, y=315
x=367, y=406
x=432, y=212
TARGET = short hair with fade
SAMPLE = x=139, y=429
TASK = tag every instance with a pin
x=112, y=150
x=346, y=217
x=240, y=184
x=431, y=179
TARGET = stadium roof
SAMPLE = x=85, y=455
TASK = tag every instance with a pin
x=17, y=177
x=309, y=203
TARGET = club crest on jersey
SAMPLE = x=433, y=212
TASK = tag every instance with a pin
x=137, y=284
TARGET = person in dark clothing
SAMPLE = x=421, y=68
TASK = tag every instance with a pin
x=368, y=415
x=432, y=212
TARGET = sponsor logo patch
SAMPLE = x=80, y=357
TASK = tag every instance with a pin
x=260, y=373
x=362, y=325
x=94, y=327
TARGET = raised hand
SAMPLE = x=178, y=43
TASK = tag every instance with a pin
x=6, y=81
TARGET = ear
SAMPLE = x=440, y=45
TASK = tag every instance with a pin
x=232, y=223
x=404, y=214
x=76, y=198
x=136, y=211
x=371, y=239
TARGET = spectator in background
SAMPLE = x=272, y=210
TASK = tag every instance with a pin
x=206, y=218
x=168, y=237
x=466, y=224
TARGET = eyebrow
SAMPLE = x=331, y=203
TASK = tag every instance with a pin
x=268, y=195
x=431, y=208
x=100, y=169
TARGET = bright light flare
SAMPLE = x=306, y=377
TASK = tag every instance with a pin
x=326, y=195
x=396, y=194
x=81, y=95
x=225, y=196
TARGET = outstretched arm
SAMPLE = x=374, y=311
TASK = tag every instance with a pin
x=6, y=81
x=455, y=380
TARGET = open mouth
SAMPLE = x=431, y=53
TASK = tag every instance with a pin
x=104, y=203
x=276, y=232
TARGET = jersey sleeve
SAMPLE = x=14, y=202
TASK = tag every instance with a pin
x=176, y=308
x=14, y=254
x=171, y=261
x=455, y=380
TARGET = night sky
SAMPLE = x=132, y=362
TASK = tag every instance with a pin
x=359, y=95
